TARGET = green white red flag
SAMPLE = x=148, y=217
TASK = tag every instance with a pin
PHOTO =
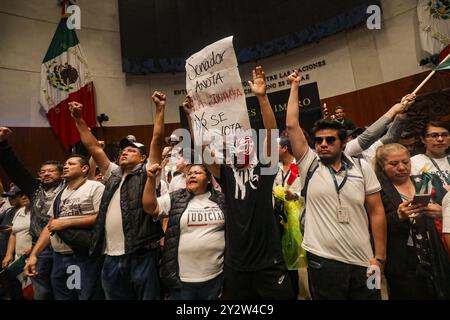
x=65, y=77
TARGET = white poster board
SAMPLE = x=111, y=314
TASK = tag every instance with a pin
x=214, y=84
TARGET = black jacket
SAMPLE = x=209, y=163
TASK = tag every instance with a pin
x=140, y=231
x=179, y=200
x=397, y=230
x=435, y=265
x=30, y=186
x=347, y=124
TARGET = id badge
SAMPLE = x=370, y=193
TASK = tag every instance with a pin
x=343, y=215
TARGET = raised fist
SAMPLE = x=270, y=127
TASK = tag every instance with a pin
x=76, y=109
x=159, y=99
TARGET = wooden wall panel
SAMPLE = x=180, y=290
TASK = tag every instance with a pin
x=35, y=145
x=366, y=105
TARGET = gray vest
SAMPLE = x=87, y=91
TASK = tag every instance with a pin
x=169, y=268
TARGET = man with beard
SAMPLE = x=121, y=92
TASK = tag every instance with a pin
x=338, y=191
x=73, y=214
x=42, y=192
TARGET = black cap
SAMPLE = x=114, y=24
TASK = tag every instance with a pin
x=128, y=143
x=13, y=192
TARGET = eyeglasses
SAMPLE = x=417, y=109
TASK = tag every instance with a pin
x=436, y=135
x=328, y=139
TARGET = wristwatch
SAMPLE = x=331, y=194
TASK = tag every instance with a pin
x=382, y=261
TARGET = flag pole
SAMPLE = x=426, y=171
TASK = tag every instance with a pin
x=429, y=76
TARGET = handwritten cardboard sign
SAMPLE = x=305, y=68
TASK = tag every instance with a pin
x=214, y=84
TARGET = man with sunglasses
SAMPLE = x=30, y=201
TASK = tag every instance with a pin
x=123, y=231
x=339, y=190
x=435, y=160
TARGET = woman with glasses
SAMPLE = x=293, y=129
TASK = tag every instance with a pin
x=416, y=266
x=192, y=258
x=435, y=160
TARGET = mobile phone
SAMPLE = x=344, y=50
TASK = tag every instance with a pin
x=422, y=199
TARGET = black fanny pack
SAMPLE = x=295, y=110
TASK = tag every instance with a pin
x=78, y=239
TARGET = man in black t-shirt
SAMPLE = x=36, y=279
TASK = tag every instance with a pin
x=254, y=265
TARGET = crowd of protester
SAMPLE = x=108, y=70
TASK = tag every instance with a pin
x=344, y=209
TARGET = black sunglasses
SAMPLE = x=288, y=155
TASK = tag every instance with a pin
x=328, y=139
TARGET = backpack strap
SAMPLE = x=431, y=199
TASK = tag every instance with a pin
x=56, y=203
x=312, y=168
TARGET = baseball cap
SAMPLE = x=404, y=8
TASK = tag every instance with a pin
x=131, y=138
x=125, y=142
x=13, y=192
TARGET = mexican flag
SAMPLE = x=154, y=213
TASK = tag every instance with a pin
x=15, y=269
x=445, y=65
x=64, y=78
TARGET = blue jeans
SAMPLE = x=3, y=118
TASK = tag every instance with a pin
x=132, y=276
x=42, y=285
x=207, y=290
x=65, y=277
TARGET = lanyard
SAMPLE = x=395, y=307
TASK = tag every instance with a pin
x=447, y=179
x=284, y=177
x=339, y=187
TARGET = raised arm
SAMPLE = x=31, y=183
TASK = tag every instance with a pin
x=296, y=136
x=376, y=129
x=157, y=144
x=258, y=87
x=13, y=167
x=214, y=168
x=149, y=202
x=88, y=139
x=400, y=121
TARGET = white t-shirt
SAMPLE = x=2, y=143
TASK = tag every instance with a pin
x=324, y=235
x=178, y=182
x=5, y=206
x=115, y=237
x=21, y=229
x=354, y=149
x=421, y=163
x=446, y=213
x=202, y=238
x=75, y=203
